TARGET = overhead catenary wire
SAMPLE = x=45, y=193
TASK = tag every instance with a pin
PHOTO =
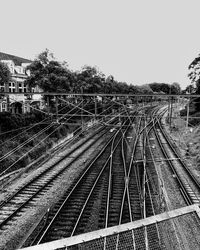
x=30, y=139
x=24, y=143
x=41, y=122
x=14, y=130
x=59, y=125
x=27, y=141
x=30, y=127
x=28, y=105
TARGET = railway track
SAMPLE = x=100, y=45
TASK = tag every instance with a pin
x=115, y=188
x=137, y=194
x=27, y=195
x=48, y=126
x=114, y=198
x=189, y=186
x=93, y=182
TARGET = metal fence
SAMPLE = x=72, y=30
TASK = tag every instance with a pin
x=177, y=229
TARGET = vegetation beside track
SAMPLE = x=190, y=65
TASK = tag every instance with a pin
x=194, y=112
x=17, y=125
x=187, y=140
x=31, y=135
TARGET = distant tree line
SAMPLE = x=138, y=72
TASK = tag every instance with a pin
x=53, y=76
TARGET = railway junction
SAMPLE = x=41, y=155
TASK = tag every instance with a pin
x=118, y=182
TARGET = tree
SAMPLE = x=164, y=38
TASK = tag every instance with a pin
x=190, y=89
x=160, y=87
x=5, y=74
x=194, y=74
x=48, y=74
x=134, y=89
x=90, y=80
x=177, y=88
x=145, y=89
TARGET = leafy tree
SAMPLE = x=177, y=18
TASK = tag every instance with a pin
x=160, y=87
x=194, y=74
x=90, y=80
x=5, y=74
x=108, y=85
x=177, y=88
x=190, y=89
x=134, y=89
x=145, y=89
x=48, y=74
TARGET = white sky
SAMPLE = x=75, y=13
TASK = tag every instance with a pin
x=137, y=41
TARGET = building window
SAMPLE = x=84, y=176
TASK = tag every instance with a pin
x=2, y=87
x=25, y=88
x=20, y=87
x=3, y=106
x=11, y=87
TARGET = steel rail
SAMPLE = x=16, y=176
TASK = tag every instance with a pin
x=145, y=189
x=181, y=185
x=108, y=160
x=23, y=144
x=54, y=176
x=49, y=224
x=51, y=167
x=110, y=178
x=48, y=228
x=147, y=183
x=177, y=155
x=126, y=188
x=127, y=177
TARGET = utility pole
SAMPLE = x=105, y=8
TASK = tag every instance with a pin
x=95, y=107
x=169, y=109
x=171, y=112
x=48, y=109
x=48, y=105
x=82, y=108
x=56, y=109
x=188, y=109
x=187, y=119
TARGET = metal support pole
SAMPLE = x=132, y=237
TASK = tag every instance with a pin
x=82, y=108
x=171, y=112
x=56, y=109
x=188, y=107
x=8, y=103
x=144, y=184
x=95, y=107
x=48, y=108
x=168, y=109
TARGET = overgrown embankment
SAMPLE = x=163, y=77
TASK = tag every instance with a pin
x=194, y=112
x=187, y=138
x=25, y=137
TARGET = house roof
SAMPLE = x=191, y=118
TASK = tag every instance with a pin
x=17, y=60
